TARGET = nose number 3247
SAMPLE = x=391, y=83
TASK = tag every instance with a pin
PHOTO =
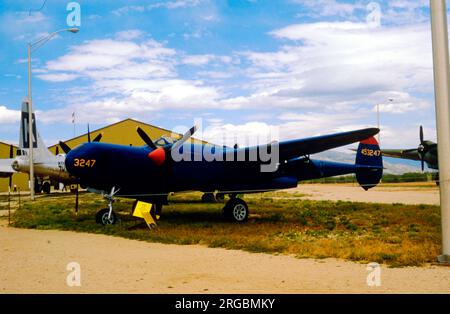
x=81, y=162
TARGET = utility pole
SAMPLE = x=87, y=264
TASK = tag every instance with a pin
x=30, y=126
x=439, y=35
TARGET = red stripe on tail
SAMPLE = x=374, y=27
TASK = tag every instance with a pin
x=370, y=141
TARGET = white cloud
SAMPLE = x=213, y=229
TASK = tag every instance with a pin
x=170, y=5
x=109, y=58
x=128, y=9
x=331, y=63
x=325, y=8
x=8, y=116
x=177, y=4
x=57, y=77
x=197, y=59
x=129, y=34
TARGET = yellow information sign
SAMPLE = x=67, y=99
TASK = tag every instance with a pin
x=142, y=210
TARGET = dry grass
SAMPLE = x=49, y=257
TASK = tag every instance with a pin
x=394, y=234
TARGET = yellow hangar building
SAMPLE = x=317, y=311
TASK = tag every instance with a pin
x=123, y=133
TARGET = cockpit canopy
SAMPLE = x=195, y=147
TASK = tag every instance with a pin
x=164, y=140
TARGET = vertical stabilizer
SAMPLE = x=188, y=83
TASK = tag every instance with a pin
x=40, y=151
x=369, y=163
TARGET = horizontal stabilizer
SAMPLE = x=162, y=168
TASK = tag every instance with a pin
x=6, y=169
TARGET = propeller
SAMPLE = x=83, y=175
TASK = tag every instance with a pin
x=98, y=137
x=185, y=137
x=66, y=148
x=422, y=149
x=158, y=154
x=146, y=138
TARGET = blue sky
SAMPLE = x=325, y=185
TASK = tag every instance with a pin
x=301, y=67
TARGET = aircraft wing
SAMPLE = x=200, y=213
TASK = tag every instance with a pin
x=295, y=148
x=412, y=154
x=5, y=167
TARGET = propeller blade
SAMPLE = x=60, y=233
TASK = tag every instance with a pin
x=146, y=138
x=421, y=134
x=97, y=138
x=89, y=135
x=57, y=150
x=422, y=149
x=65, y=147
x=185, y=137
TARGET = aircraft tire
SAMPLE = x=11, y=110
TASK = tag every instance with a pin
x=236, y=210
x=220, y=197
x=102, y=217
x=208, y=198
x=46, y=187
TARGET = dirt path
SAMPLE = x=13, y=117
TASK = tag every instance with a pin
x=380, y=194
x=33, y=261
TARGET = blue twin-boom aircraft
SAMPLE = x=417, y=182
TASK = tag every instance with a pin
x=151, y=172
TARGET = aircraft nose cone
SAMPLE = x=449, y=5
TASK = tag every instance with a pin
x=158, y=156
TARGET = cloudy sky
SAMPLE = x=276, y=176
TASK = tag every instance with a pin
x=300, y=67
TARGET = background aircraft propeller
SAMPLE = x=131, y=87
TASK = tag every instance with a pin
x=422, y=149
x=66, y=148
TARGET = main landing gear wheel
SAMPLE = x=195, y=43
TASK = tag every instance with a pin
x=220, y=197
x=156, y=211
x=236, y=210
x=46, y=187
x=102, y=217
x=208, y=198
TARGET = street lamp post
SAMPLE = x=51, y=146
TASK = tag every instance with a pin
x=378, y=120
x=33, y=47
x=378, y=123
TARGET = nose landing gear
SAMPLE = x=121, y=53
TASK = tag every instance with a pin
x=106, y=216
